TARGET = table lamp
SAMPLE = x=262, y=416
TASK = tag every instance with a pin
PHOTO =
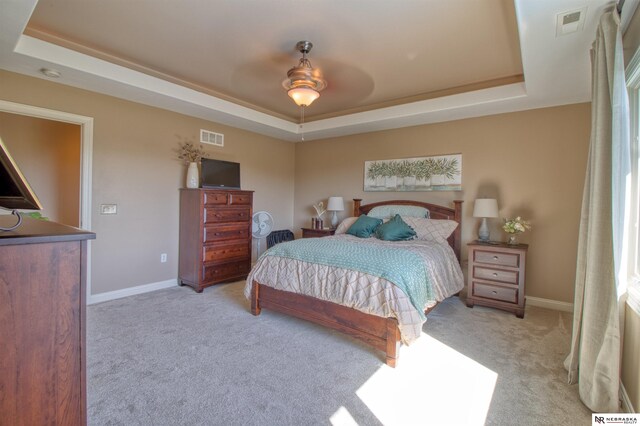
x=485, y=208
x=336, y=204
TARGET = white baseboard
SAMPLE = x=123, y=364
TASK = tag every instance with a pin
x=549, y=304
x=117, y=294
x=627, y=406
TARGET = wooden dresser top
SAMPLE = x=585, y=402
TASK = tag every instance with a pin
x=34, y=231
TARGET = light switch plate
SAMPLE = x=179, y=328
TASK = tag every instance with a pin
x=108, y=209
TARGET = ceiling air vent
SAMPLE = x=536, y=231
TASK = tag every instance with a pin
x=211, y=138
x=570, y=22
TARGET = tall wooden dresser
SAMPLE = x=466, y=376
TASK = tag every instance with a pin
x=215, y=236
x=43, y=271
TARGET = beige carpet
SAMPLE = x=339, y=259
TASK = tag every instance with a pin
x=175, y=357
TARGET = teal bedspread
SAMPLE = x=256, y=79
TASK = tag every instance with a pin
x=400, y=266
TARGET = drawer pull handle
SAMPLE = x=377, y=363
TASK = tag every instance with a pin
x=494, y=292
x=495, y=257
x=495, y=274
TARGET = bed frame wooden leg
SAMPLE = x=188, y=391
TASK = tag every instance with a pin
x=393, y=342
x=255, y=301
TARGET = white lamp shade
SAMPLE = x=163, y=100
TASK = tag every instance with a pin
x=485, y=207
x=303, y=96
x=336, y=204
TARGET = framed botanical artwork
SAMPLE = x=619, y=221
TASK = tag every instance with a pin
x=435, y=173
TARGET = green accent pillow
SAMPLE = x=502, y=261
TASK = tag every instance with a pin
x=364, y=226
x=395, y=229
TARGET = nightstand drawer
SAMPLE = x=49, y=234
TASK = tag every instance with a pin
x=510, y=277
x=317, y=233
x=494, y=292
x=495, y=258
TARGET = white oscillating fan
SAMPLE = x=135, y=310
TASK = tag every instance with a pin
x=261, y=226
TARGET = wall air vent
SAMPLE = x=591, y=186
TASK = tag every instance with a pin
x=570, y=22
x=211, y=138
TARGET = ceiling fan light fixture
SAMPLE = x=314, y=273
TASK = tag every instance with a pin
x=303, y=96
x=303, y=83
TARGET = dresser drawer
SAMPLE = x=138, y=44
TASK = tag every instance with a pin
x=227, y=270
x=234, y=231
x=496, y=258
x=215, y=198
x=494, y=292
x=229, y=214
x=510, y=277
x=240, y=199
x=225, y=251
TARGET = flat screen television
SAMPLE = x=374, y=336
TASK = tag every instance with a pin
x=219, y=174
x=15, y=192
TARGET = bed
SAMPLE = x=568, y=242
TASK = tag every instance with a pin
x=380, y=314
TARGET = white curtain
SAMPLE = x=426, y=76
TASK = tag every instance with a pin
x=594, y=361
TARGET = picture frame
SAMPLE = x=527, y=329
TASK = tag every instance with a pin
x=432, y=173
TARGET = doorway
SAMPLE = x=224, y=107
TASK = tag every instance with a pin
x=48, y=154
x=83, y=199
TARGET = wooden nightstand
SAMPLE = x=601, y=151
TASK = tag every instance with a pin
x=317, y=233
x=497, y=276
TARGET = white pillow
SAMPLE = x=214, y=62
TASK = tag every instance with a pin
x=431, y=229
x=345, y=225
x=389, y=211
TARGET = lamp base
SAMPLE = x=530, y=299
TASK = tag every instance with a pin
x=334, y=220
x=483, y=232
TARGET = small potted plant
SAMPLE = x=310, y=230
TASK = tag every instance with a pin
x=513, y=227
x=191, y=155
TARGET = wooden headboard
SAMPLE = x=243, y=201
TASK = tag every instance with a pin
x=435, y=212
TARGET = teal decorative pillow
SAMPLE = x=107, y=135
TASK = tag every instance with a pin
x=364, y=226
x=395, y=229
x=384, y=212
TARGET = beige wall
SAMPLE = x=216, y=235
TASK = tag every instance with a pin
x=135, y=167
x=48, y=154
x=533, y=162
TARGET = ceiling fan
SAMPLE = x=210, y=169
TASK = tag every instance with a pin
x=303, y=82
x=261, y=80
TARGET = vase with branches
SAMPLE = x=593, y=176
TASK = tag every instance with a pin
x=191, y=154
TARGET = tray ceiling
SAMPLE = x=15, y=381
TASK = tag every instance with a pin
x=372, y=54
x=388, y=64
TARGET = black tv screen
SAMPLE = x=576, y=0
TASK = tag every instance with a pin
x=15, y=192
x=220, y=174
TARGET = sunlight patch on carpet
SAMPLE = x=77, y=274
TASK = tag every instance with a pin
x=342, y=417
x=432, y=384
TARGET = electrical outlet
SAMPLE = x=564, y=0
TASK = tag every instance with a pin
x=108, y=209
x=163, y=258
